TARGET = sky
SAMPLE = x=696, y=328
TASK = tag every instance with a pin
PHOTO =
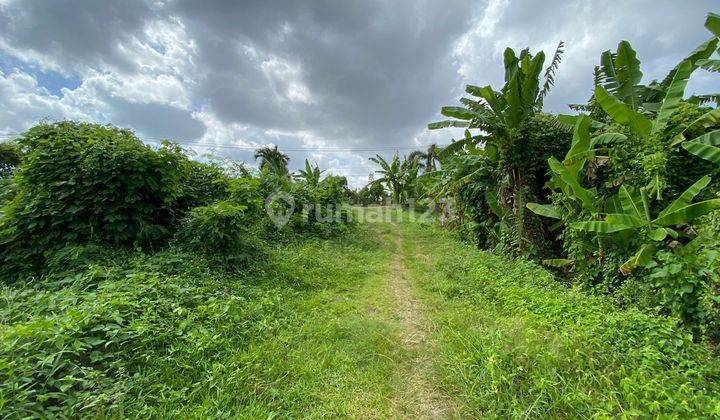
x=331, y=81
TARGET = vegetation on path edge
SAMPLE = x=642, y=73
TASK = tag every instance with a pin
x=363, y=326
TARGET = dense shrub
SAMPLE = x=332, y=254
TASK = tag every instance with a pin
x=85, y=183
x=219, y=232
x=321, y=208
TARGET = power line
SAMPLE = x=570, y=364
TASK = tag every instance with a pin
x=286, y=149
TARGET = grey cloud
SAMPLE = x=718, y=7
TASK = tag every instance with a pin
x=74, y=34
x=349, y=73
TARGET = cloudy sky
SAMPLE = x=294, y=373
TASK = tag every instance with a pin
x=332, y=81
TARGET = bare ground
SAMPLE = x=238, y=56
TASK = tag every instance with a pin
x=416, y=396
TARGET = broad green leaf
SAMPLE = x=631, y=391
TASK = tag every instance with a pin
x=688, y=213
x=600, y=227
x=458, y=145
x=687, y=196
x=658, y=234
x=457, y=112
x=531, y=85
x=622, y=219
x=641, y=257
x=547, y=210
x=607, y=138
x=513, y=96
x=629, y=204
x=494, y=205
x=705, y=146
x=621, y=113
x=581, y=139
x=607, y=64
x=712, y=138
x=613, y=205
x=702, y=52
x=712, y=23
x=712, y=65
x=673, y=96
x=708, y=120
x=490, y=96
x=627, y=73
x=447, y=123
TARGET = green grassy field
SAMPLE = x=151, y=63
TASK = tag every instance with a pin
x=392, y=320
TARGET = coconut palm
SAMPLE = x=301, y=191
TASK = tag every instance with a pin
x=426, y=159
x=272, y=160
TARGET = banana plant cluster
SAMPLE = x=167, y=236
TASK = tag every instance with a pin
x=567, y=175
x=645, y=111
x=397, y=176
x=500, y=113
x=632, y=213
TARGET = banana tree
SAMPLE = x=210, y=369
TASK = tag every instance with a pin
x=500, y=114
x=567, y=175
x=310, y=174
x=632, y=214
x=620, y=96
x=398, y=176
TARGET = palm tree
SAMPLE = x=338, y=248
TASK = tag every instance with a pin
x=272, y=160
x=426, y=159
x=310, y=174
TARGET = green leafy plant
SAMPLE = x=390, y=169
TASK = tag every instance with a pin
x=633, y=214
x=219, y=232
x=85, y=183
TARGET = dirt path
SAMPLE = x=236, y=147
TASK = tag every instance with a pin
x=417, y=396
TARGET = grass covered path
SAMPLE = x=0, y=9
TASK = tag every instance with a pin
x=394, y=320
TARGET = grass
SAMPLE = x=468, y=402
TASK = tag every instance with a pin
x=303, y=335
x=314, y=330
x=515, y=343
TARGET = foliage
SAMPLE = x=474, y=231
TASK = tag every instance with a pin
x=219, y=232
x=272, y=160
x=81, y=183
x=10, y=157
x=310, y=174
x=372, y=193
x=398, y=176
x=630, y=189
x=171, y=335
x=517, y=343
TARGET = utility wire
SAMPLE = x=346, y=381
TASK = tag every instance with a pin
x=253, y=148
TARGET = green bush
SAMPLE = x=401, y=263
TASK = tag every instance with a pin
x=85, y=183
x=219, y=232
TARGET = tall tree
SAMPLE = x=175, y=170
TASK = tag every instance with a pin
x=272, y=160
x=502, y=115
x=426, y=159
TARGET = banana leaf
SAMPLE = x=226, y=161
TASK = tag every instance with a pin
x=673, y=96
x=448, y=123
x=687, y=196
x=546, y=210
x=607, y=138
x=705, y=146
x=457, y=112
x=641, y=257
x=688, y=213
x=621, y=113
x=600, y=227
